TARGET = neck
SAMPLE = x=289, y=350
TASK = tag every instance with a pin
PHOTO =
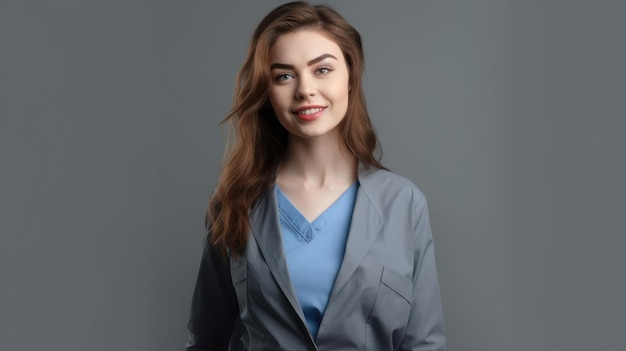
x=318, y=162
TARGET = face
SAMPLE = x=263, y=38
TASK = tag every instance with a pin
x=309, y=89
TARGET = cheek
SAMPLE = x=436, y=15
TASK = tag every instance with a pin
x=340, y=95
x=279, y=105
x=279, y=99
x=340, y=90
x=272, y=97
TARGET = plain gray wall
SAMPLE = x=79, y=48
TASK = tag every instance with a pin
x=509, y=115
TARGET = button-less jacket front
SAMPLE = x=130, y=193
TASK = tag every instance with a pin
x=385, y=297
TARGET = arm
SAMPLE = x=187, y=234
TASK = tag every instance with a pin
x=425, y=330
x=214, y=305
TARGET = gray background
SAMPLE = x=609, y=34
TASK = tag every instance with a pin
x=509, y=116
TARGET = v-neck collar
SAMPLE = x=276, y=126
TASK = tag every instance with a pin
x=307, y=230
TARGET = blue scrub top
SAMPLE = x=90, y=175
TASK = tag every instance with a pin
x=314, y=251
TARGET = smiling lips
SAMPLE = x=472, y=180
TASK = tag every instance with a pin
x=309, y=113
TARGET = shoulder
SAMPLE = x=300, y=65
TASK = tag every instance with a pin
x=384, y=187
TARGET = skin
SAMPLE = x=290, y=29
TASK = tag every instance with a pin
x=309, y=69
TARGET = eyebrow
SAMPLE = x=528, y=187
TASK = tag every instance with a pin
x=312, y=62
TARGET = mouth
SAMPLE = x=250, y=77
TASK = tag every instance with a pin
x=308, y=110
x=309, y=113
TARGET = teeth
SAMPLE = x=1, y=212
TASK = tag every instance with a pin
x=310, y=111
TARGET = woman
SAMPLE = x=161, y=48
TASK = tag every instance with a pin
x=313, y=244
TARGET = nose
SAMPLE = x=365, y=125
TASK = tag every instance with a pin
x=305, y=88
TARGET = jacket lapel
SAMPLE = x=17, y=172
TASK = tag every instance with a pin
x=364, y=227
x=265, y=226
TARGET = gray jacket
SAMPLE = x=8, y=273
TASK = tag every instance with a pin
x=385, y=296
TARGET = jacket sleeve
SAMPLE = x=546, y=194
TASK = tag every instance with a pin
x=214, y=307
x=425, y=330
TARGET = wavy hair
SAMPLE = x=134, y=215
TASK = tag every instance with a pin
x=260, y=140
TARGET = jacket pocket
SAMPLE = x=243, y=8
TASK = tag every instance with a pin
x=399, y=284
x=386, y=323
x=238, y=271
x=239, y=276
x=253, y=337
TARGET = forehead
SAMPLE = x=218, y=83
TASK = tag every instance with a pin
x=302, y=46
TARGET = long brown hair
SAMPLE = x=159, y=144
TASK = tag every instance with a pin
x=260, y=140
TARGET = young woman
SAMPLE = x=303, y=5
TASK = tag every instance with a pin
x=312, y=243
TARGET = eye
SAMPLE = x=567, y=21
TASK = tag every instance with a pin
x=323, y=70
x=283, y=77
